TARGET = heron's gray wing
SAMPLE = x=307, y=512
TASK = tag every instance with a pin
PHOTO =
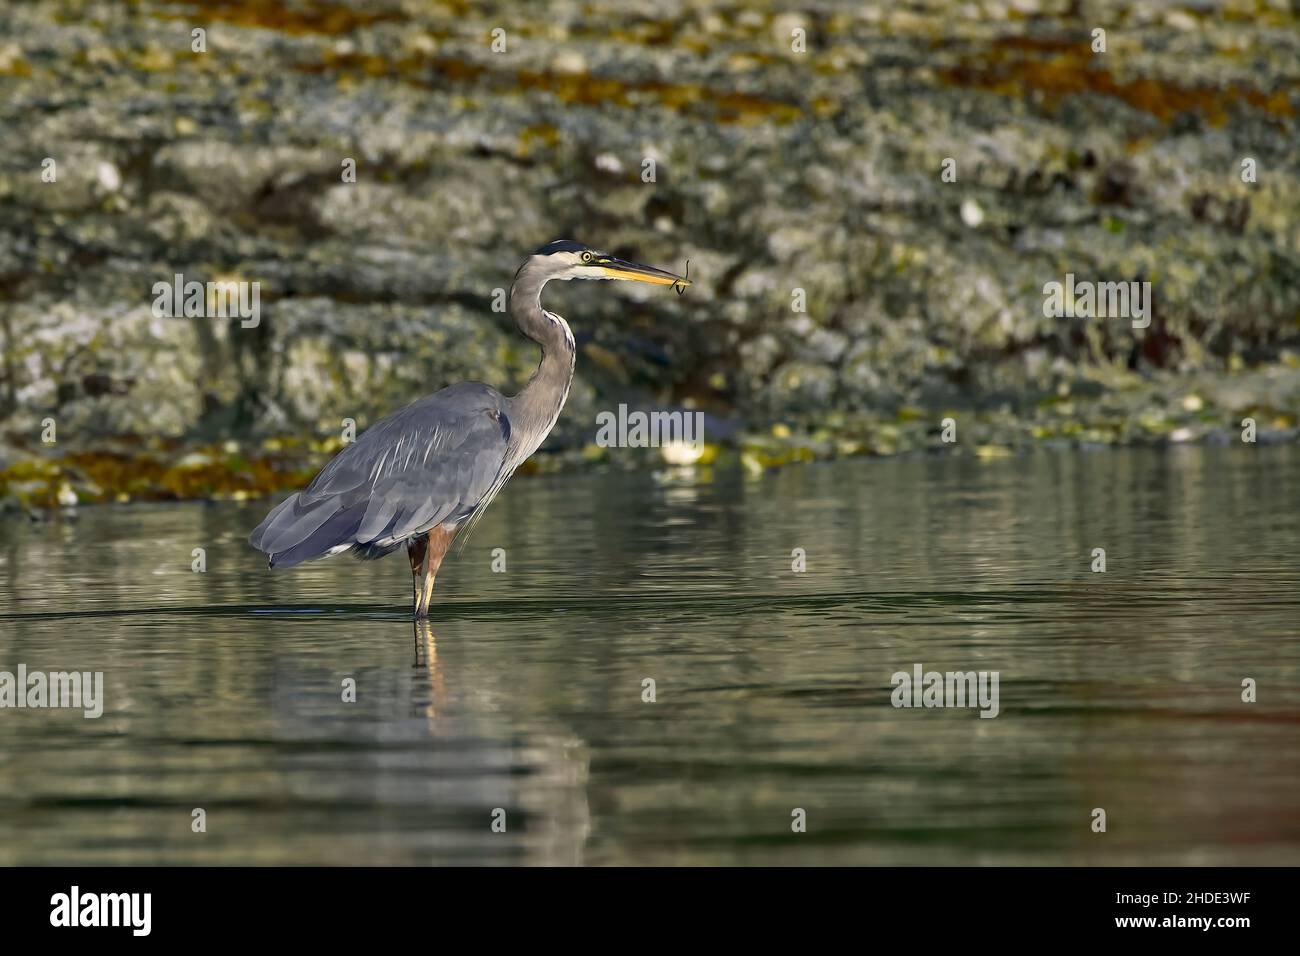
x=430, y=462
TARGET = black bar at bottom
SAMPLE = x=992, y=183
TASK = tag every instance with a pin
x=331, y=905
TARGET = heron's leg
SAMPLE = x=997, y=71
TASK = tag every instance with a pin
x=439, y=539
x=416, y=551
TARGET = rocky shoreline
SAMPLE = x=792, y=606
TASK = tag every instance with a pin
x=785, y=177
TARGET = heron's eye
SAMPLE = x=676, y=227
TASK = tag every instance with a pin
x=587, y=257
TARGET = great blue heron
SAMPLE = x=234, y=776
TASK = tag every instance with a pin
x=415, y=477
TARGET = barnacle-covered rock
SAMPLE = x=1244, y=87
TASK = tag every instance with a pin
x=870, y=217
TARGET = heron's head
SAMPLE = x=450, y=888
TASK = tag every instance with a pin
x=567, y=259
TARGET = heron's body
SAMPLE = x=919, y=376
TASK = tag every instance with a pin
x=415, y=478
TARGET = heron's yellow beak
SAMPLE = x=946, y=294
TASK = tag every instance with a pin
x=613, y=268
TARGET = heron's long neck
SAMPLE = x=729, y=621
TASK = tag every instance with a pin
x=538, y=405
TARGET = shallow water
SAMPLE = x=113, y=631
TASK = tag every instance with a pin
x=1118, y=690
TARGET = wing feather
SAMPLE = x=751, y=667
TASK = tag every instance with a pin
x=430, y=462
